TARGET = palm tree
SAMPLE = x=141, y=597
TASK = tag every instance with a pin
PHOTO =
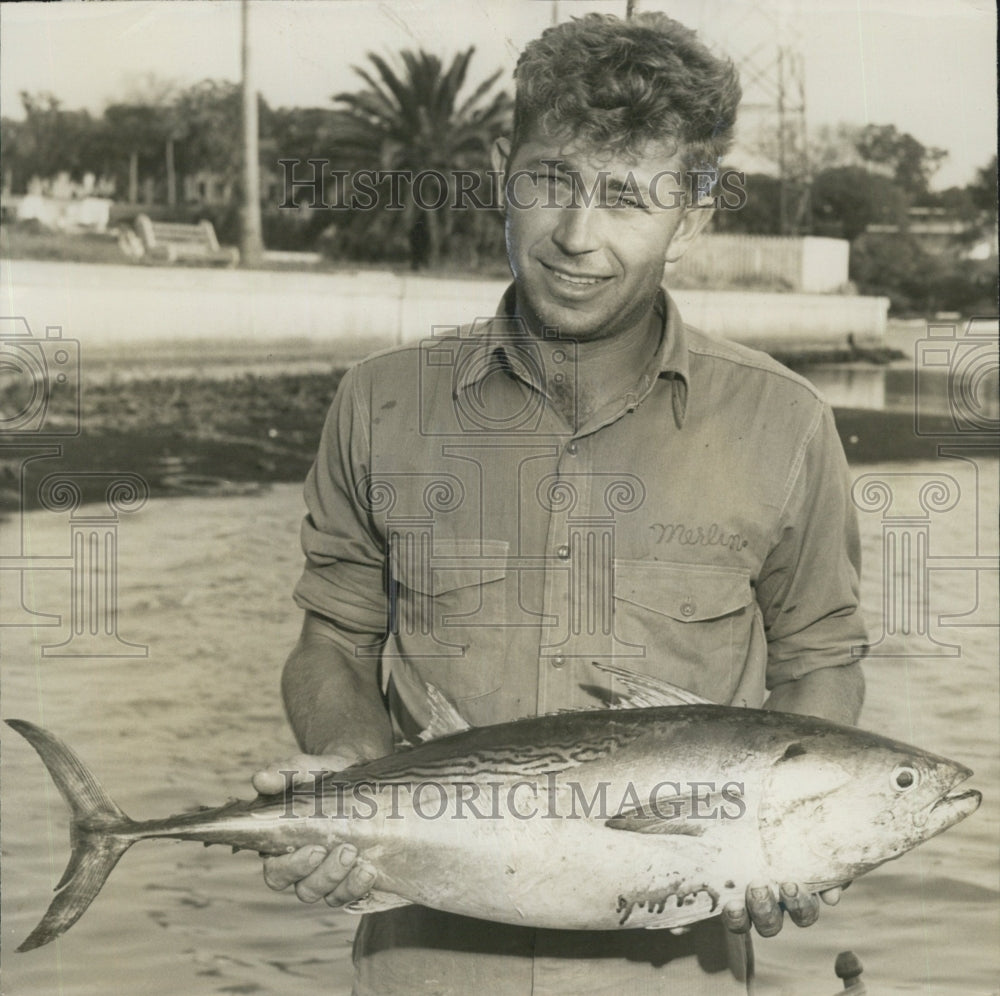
x=414, y=119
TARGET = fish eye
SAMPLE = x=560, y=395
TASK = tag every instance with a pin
x=905, y=777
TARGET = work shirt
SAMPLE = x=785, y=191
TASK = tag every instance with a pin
x=462, y=532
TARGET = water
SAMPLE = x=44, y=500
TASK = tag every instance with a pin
x=951, y=370
x=973, y=402
x=204, y=583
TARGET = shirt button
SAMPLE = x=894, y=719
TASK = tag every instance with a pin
x=563, y=552
x=572, y=449
x=558, y=661
x=687, y=609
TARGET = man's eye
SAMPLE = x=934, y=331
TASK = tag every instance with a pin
x=551, y=179
x=629, y=203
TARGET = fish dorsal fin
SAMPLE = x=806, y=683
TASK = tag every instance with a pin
x=445, y=717
x=642, y=692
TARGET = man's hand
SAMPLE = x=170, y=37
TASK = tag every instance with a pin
x=335, y=876
x=765, y=911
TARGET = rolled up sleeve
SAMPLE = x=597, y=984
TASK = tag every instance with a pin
x=343, y=577
x=808, y=588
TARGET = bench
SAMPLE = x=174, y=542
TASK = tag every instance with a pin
x=174, y=242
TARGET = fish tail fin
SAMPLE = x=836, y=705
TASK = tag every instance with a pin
x=99, y=834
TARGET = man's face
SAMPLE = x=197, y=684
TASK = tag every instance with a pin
x=592, y=270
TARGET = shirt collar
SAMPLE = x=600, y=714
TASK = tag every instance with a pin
x=674, y=358
x=505, y=344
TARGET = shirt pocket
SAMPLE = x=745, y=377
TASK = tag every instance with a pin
x=447, y=613
x=693, y=623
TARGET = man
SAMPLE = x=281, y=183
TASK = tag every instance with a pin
x=580, y=479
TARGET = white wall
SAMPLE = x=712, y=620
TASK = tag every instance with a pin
x=129, y=305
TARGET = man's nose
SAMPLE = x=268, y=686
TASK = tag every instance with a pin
x=577, y=229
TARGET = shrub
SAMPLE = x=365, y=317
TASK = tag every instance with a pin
x=921, y=283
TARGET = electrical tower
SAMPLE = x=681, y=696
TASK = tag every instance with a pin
x=773, y=112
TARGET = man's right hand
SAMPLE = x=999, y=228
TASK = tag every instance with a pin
x=336, y=876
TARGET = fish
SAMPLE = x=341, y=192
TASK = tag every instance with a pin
x=643, y=815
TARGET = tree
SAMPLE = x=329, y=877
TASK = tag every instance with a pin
x=48, y=141
x=303, y=133
x=883, y=149
x=760, y=215
x=413, y=118
x=136, y=133
x=847, y=199
x=911, y=163
x=158, y=96
x=983, y=190
x=212, y=110
x=921, y=283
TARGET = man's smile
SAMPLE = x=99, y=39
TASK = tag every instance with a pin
x=574, y=279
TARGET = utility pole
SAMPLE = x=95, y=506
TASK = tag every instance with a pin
x=630, y=8
x=251, y=241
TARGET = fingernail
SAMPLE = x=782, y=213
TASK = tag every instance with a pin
x=316, y=855
x=761, y=892
x=790, y=889
x=348, y=855
x=366, y=876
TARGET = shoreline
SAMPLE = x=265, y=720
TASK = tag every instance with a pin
x=236, y=434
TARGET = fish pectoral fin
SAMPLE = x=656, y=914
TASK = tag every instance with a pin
x=651, y=821
x=641, y=691
x=683, y=813
x=376, y=902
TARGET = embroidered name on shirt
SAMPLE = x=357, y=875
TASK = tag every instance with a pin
x=684, y=535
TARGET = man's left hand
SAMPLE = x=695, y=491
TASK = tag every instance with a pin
x=765, y=911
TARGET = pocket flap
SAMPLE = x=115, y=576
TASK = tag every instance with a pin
x=683, y=592
x=453, y=564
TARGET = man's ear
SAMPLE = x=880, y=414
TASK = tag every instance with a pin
x=500, y=160
x=694, y=220
x=500, y=155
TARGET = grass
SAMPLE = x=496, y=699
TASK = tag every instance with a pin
x=28, y=241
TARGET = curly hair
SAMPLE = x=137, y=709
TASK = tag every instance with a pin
x=620, y=85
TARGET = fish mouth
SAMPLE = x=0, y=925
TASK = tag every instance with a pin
x=954, y=806
x=958, y=804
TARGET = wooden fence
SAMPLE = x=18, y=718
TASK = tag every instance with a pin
x=810, y=264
